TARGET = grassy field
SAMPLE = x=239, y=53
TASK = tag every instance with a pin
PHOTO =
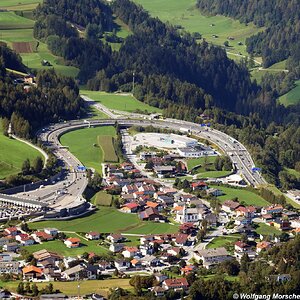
x=12, y=155
x=81, y=143
x=71, y=288
x=102, y=199
x=19, y=4
x=108, y=149
x=222, y=241
x=292, y=97
x=194, y=162
x=185, y=14
x=9, y=20
x=213, y=174
x=60, y=247
x=267, y=230
x=107, y=220
x=119, y=102
x=243, y=195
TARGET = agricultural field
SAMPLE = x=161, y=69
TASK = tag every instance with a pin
x=107, y=146
x=292, y=97
x=70, y=288
x=243, y=195
x=222, y=241
x=108, y=220
x=185, y=14
x=19, y=5
x=9, y=20
x=87, y=150
x=267, y=230
x=124, y=102
x=12, y=155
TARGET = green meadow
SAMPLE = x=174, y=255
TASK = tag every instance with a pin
x=243, y=195
x=17, y=5
x=108, y=220
x=9, y=20
x=185, y=14
x=292, y=97
x=12, y=155
x=124, y=102
x=83, y=143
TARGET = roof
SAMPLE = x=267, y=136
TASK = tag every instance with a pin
x=93, y=233
x=176, y=282
x=213, y=252
x=73, y=270
x=231, y=204
x=198, y=183
x=263, y=245
x=30, y=268
x=73, y=240
x=152, y=204
x=131, y=205
x=131, y=249
x=241, y=244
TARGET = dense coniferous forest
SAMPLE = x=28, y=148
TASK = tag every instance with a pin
x=54, y=98
x=280, y=18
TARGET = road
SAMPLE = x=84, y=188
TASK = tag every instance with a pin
x=67, y=191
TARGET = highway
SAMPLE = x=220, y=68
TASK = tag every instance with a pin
x=67, y=191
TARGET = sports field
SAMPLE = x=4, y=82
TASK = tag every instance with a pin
x=124, y=102
x=184, y=13
x=12, y=155
x=71, y=288
x=107, y=146
x=83, y=143
x=108, y=220
x=292, y=97
x=249, y=198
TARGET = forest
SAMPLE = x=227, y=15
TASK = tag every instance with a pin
x=280, y=18
x=54, y=97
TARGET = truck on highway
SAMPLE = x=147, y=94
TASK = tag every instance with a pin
x=184, y=130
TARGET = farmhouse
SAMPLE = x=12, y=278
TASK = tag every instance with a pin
x=72, y=242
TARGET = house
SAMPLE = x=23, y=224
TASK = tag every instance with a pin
x=267, y=217
x=190, y=215
x=211, y=219
x=52, y=231
x=31, y=272
x=130, y=251
x=213, y=256
x=147, y=189
x=136, y=263
x=240, y=246
x=130, y=188
x=181, y=239
x=13, y=231
x=116, y=238
x=166, y=200
x=295, y=223
x=188, y=228
x=158, y=291
x=230, y=206
x=159, y=277
x=80, y=272
x=25, y=239
x=273, y=210
x=261, y=246
x=199, y=186
x=92, y=235
x=247, y=212
x=122, y=265
x=150, y=261
x=5, y=257
x=116, y=247
x=130, y=207
x=280, y=277
x=9, y=267
x=45, y=255
x=150, y=214
x=156, y=205
x=242, y=221
x=187, y=269
x=72, y=242
x=42, y=236
x=281, y=224
x=162, y=171
x=214, y=192
x=176, y=284
x=106, y=266
x=11, y=247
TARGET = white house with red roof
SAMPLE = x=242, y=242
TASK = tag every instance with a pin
x=72, y=242
x=92, y=235
x=175, y=284
x=25, y=239
x=129, y=252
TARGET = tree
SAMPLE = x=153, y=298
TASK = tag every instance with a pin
x=245, y=262
x=20, y=288
x=149, y=165
x=26, y=167
x=35, y=290
x=38, y=165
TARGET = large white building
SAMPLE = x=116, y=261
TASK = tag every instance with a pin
x=198, y=151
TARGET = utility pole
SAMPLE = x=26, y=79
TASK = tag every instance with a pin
x=78, y=286
x=132, y=83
